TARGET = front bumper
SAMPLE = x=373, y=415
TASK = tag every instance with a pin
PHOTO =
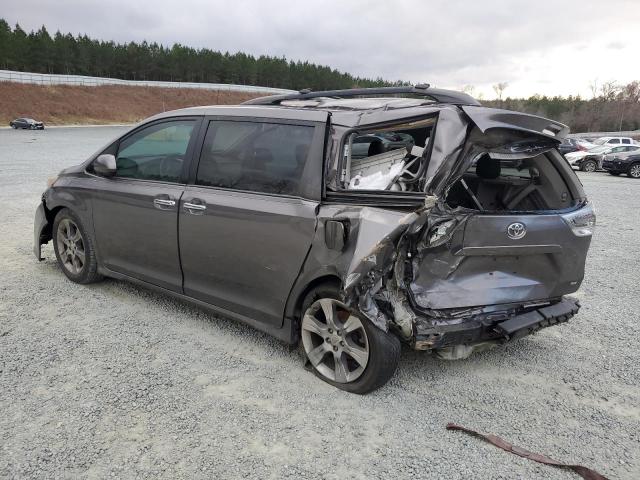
x=496, y=327
x=41, y=231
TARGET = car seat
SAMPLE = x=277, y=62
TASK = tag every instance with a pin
x=489, y=193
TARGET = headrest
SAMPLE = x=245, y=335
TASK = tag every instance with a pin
x=302, y=150
x=260, y=157
x=488, y=168
x=375, y=148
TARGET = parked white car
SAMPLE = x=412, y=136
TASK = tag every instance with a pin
x=591, y=160
x=615, y=141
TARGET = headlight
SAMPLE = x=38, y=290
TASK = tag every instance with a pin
x=582, y=222
x=51, y=181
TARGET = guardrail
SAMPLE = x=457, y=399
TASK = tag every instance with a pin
x=54, y=79
x=632, y=133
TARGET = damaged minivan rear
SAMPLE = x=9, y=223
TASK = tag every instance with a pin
x=343, y=222
x=470, y=234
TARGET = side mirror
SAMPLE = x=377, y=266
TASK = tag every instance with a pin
x=105, y=165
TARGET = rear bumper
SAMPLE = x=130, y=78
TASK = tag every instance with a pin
x=497, y=327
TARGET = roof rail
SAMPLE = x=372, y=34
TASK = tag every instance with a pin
x=424, y=90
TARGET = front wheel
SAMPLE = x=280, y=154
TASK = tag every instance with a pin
x=589, y=166
x=74, y=248
x=634, y=171
x=345, y=349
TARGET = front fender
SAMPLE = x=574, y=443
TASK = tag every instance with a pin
x=41, y=231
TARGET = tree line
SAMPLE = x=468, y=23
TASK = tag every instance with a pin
x=40, y=52
x=611, y=108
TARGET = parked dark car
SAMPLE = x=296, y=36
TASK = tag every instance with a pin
x=623, y=162
x=472, y=237
x=569, y=145
x=26, y=123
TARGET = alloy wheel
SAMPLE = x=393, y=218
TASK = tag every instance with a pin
x=70, y=246
x=335, y=341
x=590, y=167
x=634, y=171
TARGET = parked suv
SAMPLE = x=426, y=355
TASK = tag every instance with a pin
x=468, y=236
x=614, y=141
x=623, y=162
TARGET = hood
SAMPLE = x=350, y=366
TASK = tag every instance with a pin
x=576, y=155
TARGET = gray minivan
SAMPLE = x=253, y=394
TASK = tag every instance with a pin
x=468, y=232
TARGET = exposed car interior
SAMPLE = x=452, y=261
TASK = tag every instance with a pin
x=527, y=184
x=392, y=158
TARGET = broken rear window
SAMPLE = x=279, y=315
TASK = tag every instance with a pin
x=392, y=158
x=525, y=184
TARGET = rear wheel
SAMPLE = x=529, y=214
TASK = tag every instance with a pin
x=589, y=166
x=634, y=171
x=74, y=248
x=343, y=348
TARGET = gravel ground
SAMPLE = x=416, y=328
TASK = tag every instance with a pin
x=114, y=380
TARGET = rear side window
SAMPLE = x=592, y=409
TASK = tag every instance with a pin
x=254, y=156
x=626, y=140
x=155, y=152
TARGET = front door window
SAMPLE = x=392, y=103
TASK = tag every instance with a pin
x=156, y=152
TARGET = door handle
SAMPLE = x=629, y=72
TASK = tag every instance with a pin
x=194, y=208
x=162, y=202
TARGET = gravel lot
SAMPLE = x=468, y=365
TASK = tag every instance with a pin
x=114, y=380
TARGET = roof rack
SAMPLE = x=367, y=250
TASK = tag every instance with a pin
x=424, y=90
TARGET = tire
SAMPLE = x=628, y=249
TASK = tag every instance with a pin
x=74, y=248
x=589, y=166
x=615, y=174
x=383, y=349
x=634, y=170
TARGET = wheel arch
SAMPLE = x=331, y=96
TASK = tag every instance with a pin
x=56, y=199
x=294, y=306
x=632, y=164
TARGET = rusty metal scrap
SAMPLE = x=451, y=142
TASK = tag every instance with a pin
x=584, y=472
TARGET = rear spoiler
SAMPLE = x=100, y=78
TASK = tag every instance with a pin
x=488, y=118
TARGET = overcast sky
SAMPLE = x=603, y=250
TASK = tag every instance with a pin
x=547, y=47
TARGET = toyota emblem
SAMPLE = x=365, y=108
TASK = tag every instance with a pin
x=516, y=231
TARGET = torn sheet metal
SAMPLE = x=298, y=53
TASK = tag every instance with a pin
x=442, y=276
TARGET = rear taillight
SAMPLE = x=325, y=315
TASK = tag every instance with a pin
x=582, y=222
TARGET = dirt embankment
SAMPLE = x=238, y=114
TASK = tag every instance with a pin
x=70, y=104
